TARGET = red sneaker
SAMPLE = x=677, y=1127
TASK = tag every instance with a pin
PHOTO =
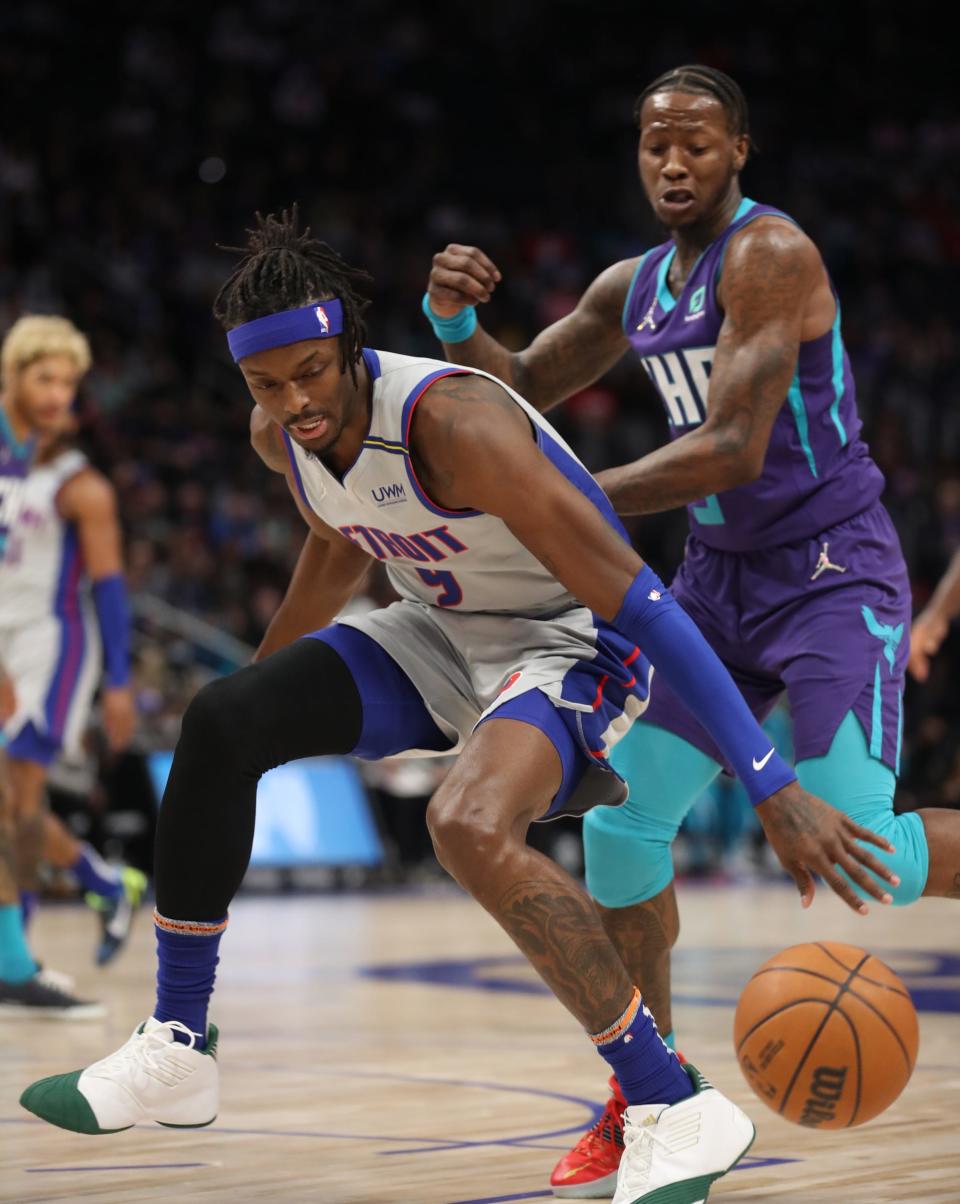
x=589, y=1171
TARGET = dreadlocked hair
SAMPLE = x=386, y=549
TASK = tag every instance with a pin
x=704, y=81
x=284, y=268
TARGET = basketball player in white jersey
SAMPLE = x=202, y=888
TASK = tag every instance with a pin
x=517, y=640
x=63, y=612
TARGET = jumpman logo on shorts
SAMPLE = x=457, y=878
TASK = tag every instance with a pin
x=823, y=563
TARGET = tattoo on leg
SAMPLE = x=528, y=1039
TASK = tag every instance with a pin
x=557, y=927
x=954, y=892
x=643, y=935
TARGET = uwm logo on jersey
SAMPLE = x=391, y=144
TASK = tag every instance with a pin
x=683, y=380
x=388, y=495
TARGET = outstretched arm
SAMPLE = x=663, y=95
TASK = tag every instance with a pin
x=566, y=357
x=475, y=448
x=329, y=569
x=771, y=272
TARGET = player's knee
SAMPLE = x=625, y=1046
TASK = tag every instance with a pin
x=218, y=722
x=467, y=832
x=909, y=861
x=627, y=857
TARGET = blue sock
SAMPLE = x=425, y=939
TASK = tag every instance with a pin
x=186, y=969
x=28, y=905
x=647, y=1071
x=16, y=964
x=97, y=875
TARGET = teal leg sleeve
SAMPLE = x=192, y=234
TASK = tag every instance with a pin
x=627, y=849
x=849, y=778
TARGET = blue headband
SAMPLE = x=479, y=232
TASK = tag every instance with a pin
x=290, y=326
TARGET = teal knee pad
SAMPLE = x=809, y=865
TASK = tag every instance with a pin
x=863, y=787
x=910, y=861
x=625, y=863
x=627, y=849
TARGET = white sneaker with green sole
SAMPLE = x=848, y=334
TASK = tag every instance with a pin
x=673, y=1153
x=153, y=1077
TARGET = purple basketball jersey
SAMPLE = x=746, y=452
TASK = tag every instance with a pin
x=818, y=471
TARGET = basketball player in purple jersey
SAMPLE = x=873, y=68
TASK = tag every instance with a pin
x=516, y=639
x=792, y=570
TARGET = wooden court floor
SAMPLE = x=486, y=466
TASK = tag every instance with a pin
x=395, y=1049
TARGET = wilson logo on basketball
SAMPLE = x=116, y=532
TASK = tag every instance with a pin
x=825, y=1091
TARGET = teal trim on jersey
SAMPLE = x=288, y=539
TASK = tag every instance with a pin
x=22, y=451
x=633, y=285
x=743, y=209
x=664, y=296
x=799, y=410
x=709, y=514
x=891, y=636
x=837, y=350
x=876, y=717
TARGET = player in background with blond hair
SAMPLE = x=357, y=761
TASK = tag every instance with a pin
x=63, y=615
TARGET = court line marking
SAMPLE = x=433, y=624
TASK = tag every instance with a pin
x=524, y=1195
x=135, y=1166
x=746, y=1164
x=428, y=1145
x=494, y=974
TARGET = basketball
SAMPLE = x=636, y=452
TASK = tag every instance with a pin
x=826, y=1035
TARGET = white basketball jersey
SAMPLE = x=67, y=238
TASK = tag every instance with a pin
x=462, y=559
x=41, y=567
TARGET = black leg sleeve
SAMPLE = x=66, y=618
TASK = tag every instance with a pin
x=300, y=702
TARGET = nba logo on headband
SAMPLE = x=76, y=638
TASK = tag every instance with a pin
x=289, y=326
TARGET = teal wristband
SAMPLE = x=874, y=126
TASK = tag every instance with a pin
x=451, y=330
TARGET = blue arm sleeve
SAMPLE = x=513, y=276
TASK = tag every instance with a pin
x=113, y=618
x=673, y=644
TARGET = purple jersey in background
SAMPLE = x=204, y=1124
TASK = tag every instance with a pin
x=818, y=471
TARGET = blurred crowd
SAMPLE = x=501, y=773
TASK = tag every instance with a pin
x=133, y=147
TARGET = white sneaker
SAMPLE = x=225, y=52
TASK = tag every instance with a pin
x=152, y=1077
x=674, y=1152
